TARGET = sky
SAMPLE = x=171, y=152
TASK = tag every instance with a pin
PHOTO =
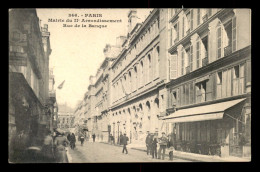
x=77, y=52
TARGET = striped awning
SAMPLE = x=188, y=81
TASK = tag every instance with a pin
x=201, y=113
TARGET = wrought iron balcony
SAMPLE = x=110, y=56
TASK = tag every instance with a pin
x=205, y=61
x=227, y=50
x=187, y=69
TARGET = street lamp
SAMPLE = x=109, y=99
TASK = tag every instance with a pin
x=118, y=132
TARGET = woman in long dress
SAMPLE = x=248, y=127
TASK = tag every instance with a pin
x=61, y=143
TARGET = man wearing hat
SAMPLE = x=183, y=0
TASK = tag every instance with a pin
x=124, y=142
x=163, y=143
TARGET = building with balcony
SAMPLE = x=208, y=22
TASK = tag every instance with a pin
x=139, y=74
x=209, y=91
x=29, y=52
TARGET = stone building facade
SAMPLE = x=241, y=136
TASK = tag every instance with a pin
x=209, y=92
x=29, y=52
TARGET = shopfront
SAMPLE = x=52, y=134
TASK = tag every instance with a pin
x=216, y=129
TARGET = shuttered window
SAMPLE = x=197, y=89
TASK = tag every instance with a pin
x=198, y=17
x=219, y=43
x=191, y=19
x=198, y=53
x=182, y=61
x=183, y=26
x=234, y=34
x=173, y=66
x=191, y=58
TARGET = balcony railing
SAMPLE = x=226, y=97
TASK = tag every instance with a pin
x=187, y=69
x=205, y=18
x=205, y=61
x=227, y=50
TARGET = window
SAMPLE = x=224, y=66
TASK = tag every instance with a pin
x=235, y=80
x=174, y=98
x=149, y=68
x=176, y=28
x=201, y=92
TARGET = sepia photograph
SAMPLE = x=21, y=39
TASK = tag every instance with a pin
x=129, y=85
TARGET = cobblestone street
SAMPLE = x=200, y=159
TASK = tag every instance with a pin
x=100, y=152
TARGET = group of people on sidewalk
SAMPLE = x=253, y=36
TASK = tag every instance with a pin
x=152, y=141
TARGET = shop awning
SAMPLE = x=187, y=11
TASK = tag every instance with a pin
x=201, y=113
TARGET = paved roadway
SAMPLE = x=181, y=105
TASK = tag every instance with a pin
x=101, y=152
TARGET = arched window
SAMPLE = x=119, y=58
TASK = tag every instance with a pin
x=149, y=68
x=130, y=81
x=142, y=73
x=136, y=79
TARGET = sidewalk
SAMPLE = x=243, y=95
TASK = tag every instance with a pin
x=193, y=156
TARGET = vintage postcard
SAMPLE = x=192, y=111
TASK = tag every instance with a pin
x=129, y=85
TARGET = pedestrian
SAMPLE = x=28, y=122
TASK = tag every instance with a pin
x=148, y=142
x=120, y=139
x=163, y=143
x=94, y=137
x=154, y=146
x=68, y=137
x=47, y=147
x=72, y=141
x=82, y=139
x=61, y=142
x=124, y=143
x=170, y=145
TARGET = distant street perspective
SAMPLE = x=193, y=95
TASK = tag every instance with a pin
x=129, y=85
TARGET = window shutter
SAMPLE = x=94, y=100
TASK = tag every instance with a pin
x=219, y=41
x=178, y=32
x=209, y=88
x=173, y=66
x=198, y=17
x=191, y=19
x=183, y=26
x=191, y=57
x=234, y=34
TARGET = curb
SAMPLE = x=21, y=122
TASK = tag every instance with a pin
x=166, y=154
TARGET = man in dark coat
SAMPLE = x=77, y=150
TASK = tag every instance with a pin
x=72, y=141
x=148, y=142
x=94, y=137
x=154, y=146
x=124, y=142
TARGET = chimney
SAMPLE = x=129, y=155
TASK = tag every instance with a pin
x=132, y=20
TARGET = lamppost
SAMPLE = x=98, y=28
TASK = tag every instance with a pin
x=118, y=132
